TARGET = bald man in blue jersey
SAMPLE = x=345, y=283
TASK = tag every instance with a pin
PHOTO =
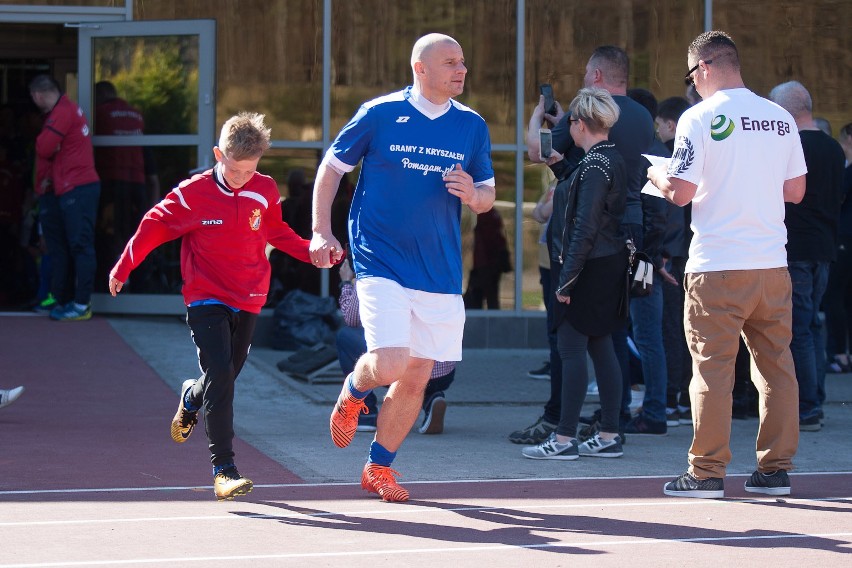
x=424, y=156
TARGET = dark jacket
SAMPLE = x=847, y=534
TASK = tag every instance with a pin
x=587, y=212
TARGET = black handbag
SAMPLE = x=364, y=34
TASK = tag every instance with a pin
x=641, y=272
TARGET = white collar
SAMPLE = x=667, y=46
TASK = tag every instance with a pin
x=426, y=106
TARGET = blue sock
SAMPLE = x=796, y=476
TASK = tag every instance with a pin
x=350, y=383
x=219, y=468
x=380, y=455
x=187, y=404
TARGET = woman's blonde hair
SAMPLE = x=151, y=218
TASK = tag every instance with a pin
x=596, y=108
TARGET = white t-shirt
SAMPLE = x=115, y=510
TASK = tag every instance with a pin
x=739, y=149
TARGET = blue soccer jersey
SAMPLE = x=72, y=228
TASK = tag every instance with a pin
x=404, y=225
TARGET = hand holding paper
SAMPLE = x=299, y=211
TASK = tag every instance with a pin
x=650, y=188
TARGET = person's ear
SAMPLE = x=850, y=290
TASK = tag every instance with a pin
x=217, y=153
x=419, y=68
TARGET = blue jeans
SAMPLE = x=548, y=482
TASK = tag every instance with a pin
x=808, y=345
x=646, y=316
x=68, y=224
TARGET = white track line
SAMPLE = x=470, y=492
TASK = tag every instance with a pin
x=358, y=484
x=414, y=509
x=456, y=549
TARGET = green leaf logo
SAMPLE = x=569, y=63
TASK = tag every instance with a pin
x=721, y=127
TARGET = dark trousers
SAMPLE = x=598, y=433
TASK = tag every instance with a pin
x=483, y=287
x=223, y=338
x=68, y=224
x=678, y=360
x=808, y=346
x=573, y=347
x=553, y=407
x=838, y=300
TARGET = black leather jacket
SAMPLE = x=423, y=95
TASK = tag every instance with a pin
x=587, y=212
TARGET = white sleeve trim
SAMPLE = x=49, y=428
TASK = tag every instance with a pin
x=334, y=163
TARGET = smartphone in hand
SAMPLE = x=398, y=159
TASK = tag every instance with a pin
x=545, y=138
x=549, y=101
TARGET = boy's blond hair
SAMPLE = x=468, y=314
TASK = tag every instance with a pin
x=244, y=136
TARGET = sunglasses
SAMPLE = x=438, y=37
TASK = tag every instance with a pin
x=687, y=79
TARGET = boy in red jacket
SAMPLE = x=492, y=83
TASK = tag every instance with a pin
x=226, y=217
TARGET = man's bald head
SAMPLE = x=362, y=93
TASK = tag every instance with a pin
x=423, y=45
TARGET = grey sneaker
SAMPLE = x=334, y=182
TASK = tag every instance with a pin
x=775, y=483
x=550, y=449
x=599, y=448
x=535, y=433
x=688, y=486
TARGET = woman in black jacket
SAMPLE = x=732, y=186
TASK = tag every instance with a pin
x=588, y=259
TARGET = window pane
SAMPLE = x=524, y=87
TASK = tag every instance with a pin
x=654, y=33
x=368, y=64
x=268, y=59
x=158, y=75
x=123, y=202
x=785, y=40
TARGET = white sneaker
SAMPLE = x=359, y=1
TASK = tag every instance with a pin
x=7, y=397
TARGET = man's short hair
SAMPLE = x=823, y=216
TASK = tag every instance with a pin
x=846, y=131
x=105, y=91
x=44, y=84
x=716, y=46
x=244, y=136
x=613, y=63
x=793, y=97
x=645, y=98
x=672, y=107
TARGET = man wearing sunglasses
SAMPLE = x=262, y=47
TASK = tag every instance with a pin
x=738, y=159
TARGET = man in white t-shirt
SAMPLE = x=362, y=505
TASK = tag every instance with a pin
x=423, y=156
x=737, y=159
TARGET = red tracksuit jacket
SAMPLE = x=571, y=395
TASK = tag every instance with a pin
x=225, y=231
x=64, y=149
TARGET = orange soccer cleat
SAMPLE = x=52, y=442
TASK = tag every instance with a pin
x=380, y=479
x=344, y=419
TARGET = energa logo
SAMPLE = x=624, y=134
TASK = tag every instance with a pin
x=721, y=127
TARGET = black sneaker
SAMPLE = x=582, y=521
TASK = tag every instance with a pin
x=542, y=373
x=535, y=433
x=644, y=427
x=433, y=417
x=775, y=483
x=688, y=486
x=812, y=424
x=593, y=419
x=672, y=417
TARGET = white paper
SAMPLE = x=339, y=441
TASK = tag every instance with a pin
x=650, y=188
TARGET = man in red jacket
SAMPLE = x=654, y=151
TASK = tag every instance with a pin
x=226, y=217
x=69, y=188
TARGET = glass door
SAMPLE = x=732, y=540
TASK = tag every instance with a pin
x=148, y=89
